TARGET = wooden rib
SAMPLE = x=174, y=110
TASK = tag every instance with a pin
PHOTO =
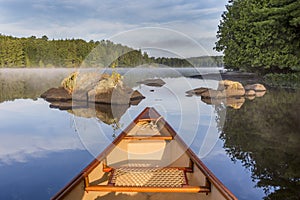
x=154, y=137
x=108, y=188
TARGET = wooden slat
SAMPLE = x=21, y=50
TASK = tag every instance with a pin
x=154, y=137
x=108, y=188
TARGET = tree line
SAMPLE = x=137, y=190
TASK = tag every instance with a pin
x=42, y=52
x=261, y=36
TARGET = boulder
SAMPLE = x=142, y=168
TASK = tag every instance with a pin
x=152, y=82
x=83, y=81
x=92, y=87
x=231, y=88
x=228, y=84
x=256, y=87
x=57, y=94
x=115, y=95
x=69, y=82
x=225, y=89
x=229, y=93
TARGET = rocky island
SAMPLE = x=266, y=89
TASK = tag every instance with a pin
x=230, y=93
x=78, y=89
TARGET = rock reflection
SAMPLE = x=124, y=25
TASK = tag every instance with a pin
x=235, y=103
x=110, y=114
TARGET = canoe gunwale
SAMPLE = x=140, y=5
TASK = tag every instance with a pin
x=210, y=177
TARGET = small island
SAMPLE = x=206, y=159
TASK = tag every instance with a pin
x=79, y=89
x=230, y=93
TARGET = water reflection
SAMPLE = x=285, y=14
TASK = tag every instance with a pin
x=28, y=83
x=30, y=129
x=264, y=136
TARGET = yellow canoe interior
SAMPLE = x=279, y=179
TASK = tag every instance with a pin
x=148, y=160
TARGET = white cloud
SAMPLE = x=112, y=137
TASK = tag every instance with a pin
x=91, y=19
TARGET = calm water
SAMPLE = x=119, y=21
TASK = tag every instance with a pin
x=253, y=150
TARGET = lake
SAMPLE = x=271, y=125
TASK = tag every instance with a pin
x=253, y=150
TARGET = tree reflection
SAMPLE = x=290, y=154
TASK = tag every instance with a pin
x=264, y=135
x=28, y=83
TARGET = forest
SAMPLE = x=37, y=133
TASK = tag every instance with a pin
x=41, y=52
x=261, y=36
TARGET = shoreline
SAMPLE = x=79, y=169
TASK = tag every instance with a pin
x=243, y=77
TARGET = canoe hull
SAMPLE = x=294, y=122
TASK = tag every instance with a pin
x=148, y=148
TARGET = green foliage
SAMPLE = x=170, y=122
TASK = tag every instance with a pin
x=42, y=52
x=11, y=52
x=261, y=35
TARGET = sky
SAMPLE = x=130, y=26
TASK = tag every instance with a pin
x=179, y=22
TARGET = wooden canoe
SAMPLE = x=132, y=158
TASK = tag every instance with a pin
x=148, y=160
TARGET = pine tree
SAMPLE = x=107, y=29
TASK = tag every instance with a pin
x=261, y=35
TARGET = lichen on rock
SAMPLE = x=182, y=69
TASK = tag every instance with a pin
x=69, y=82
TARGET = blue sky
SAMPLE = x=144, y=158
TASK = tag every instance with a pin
x=97, y=20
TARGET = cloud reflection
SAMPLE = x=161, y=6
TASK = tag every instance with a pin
x=30, y=129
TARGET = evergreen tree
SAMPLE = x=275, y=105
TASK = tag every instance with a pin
x=261, y=35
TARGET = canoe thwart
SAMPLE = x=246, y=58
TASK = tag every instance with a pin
x=185, y=189
x=152, y=137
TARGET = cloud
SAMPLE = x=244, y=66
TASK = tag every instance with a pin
x=91, y=19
